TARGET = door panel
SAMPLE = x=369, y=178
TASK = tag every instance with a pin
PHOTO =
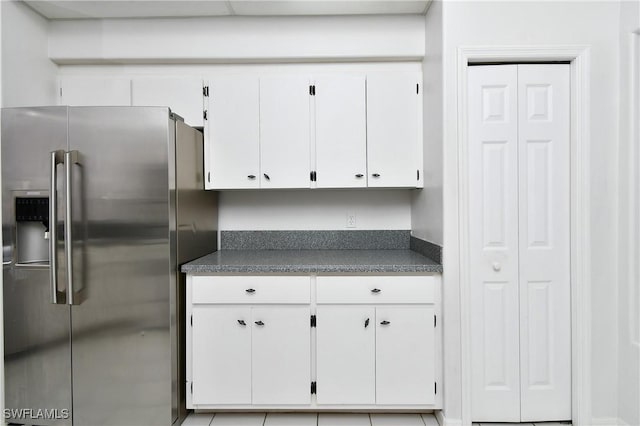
x=221, y=355
x=284, y=132
x=232, y=148
x=544, y=208
x=405, y=355
x=493, y=240
x=394, y=129
x=95, y=91
x=345, y=351
x=341, y=139
x=281, y=355
x=122, y=265
x=37, y=350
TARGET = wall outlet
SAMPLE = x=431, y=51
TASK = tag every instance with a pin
x=351, y=219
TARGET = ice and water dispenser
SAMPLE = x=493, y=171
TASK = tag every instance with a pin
x=32, y=230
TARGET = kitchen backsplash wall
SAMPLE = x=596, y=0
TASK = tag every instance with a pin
x=314, y=210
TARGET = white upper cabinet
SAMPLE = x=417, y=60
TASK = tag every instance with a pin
x=284, y=132
x=94, y=91
x=232, y=148
x=341, y=138
x=182, y=94
x=394, y=129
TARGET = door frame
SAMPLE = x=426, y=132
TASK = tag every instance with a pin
x=580, y=254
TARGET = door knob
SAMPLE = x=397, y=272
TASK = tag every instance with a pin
x=497, y=266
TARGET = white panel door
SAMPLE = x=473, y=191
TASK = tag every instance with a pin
x=493, y=243
x=232, y=148
x=95, y=91
x=221, y=355
x=544, y=188
x=182, y=94
x=281, y=355
x=285, y=132
x=341, y=138
x=345, y=355
x=394, y=129
x=405, y=355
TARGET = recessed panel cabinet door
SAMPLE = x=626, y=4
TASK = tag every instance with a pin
x=544, y=205
x=232, y=148
x=182, y=94
x=341, y=138
x=284, y=132
x=405, y=355
x=281, y=355
x=394, y=129
x=221, y=355
x=345, y=357
x=493, y=240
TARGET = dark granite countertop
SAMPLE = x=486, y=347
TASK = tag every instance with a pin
x=311, y=261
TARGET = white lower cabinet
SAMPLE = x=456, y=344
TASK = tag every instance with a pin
x=272, y=342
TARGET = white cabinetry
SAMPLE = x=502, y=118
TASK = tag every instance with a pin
x=394, y=129
x=94, y=91
x=341, y=131
x=284, y=132
x=182, y=94
x=232, y=147
x=358, y=341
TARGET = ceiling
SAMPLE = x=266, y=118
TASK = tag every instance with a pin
x=97, y=9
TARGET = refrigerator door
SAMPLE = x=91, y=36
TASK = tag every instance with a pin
x=121, y=254
x=37, y=352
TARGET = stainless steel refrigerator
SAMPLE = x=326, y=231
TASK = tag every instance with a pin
x=100, y=205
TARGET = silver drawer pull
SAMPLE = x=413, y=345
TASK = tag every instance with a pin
x=385, y=322
x=366, y=323
x=250, y=290
x=376, y=290
x=260, y=323
x=242, y=323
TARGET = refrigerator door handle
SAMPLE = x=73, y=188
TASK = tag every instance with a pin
x=57, y=157
x=70, y=159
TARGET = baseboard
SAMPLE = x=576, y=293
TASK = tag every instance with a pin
x=608, y=421
x=443, y=421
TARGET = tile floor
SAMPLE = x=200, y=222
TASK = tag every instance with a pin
x=309, y=419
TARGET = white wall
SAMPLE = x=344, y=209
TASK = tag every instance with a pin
x=237, y=39
x=593, y=24
x=314, y=209
x=629, y=216
x=426, y=205
x=28, y=76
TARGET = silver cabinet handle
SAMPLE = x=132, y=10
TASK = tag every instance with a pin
x=376, y=290
x=266, y=176
x=376, y=175
x=70, y=159
x=250, y=290
x=366, y=323
x=385, y=322
x=359, y=175
x=242, y=323
x=57, y=157
x=251, y=177
x=260, y=323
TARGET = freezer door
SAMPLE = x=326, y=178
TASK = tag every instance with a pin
x=122, y=247
x=37, y=353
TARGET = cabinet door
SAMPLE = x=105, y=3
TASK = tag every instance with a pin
x=405, y=355
x=284, y=132
x=394, y=129
x=232, y=149
x=341, y=138
x=95, y=91
x=182, y=94
x=281, y=355
x=221, y=355
x=345, y=357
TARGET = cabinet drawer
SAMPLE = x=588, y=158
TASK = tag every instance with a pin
x=376, y=289
x=253, y=290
